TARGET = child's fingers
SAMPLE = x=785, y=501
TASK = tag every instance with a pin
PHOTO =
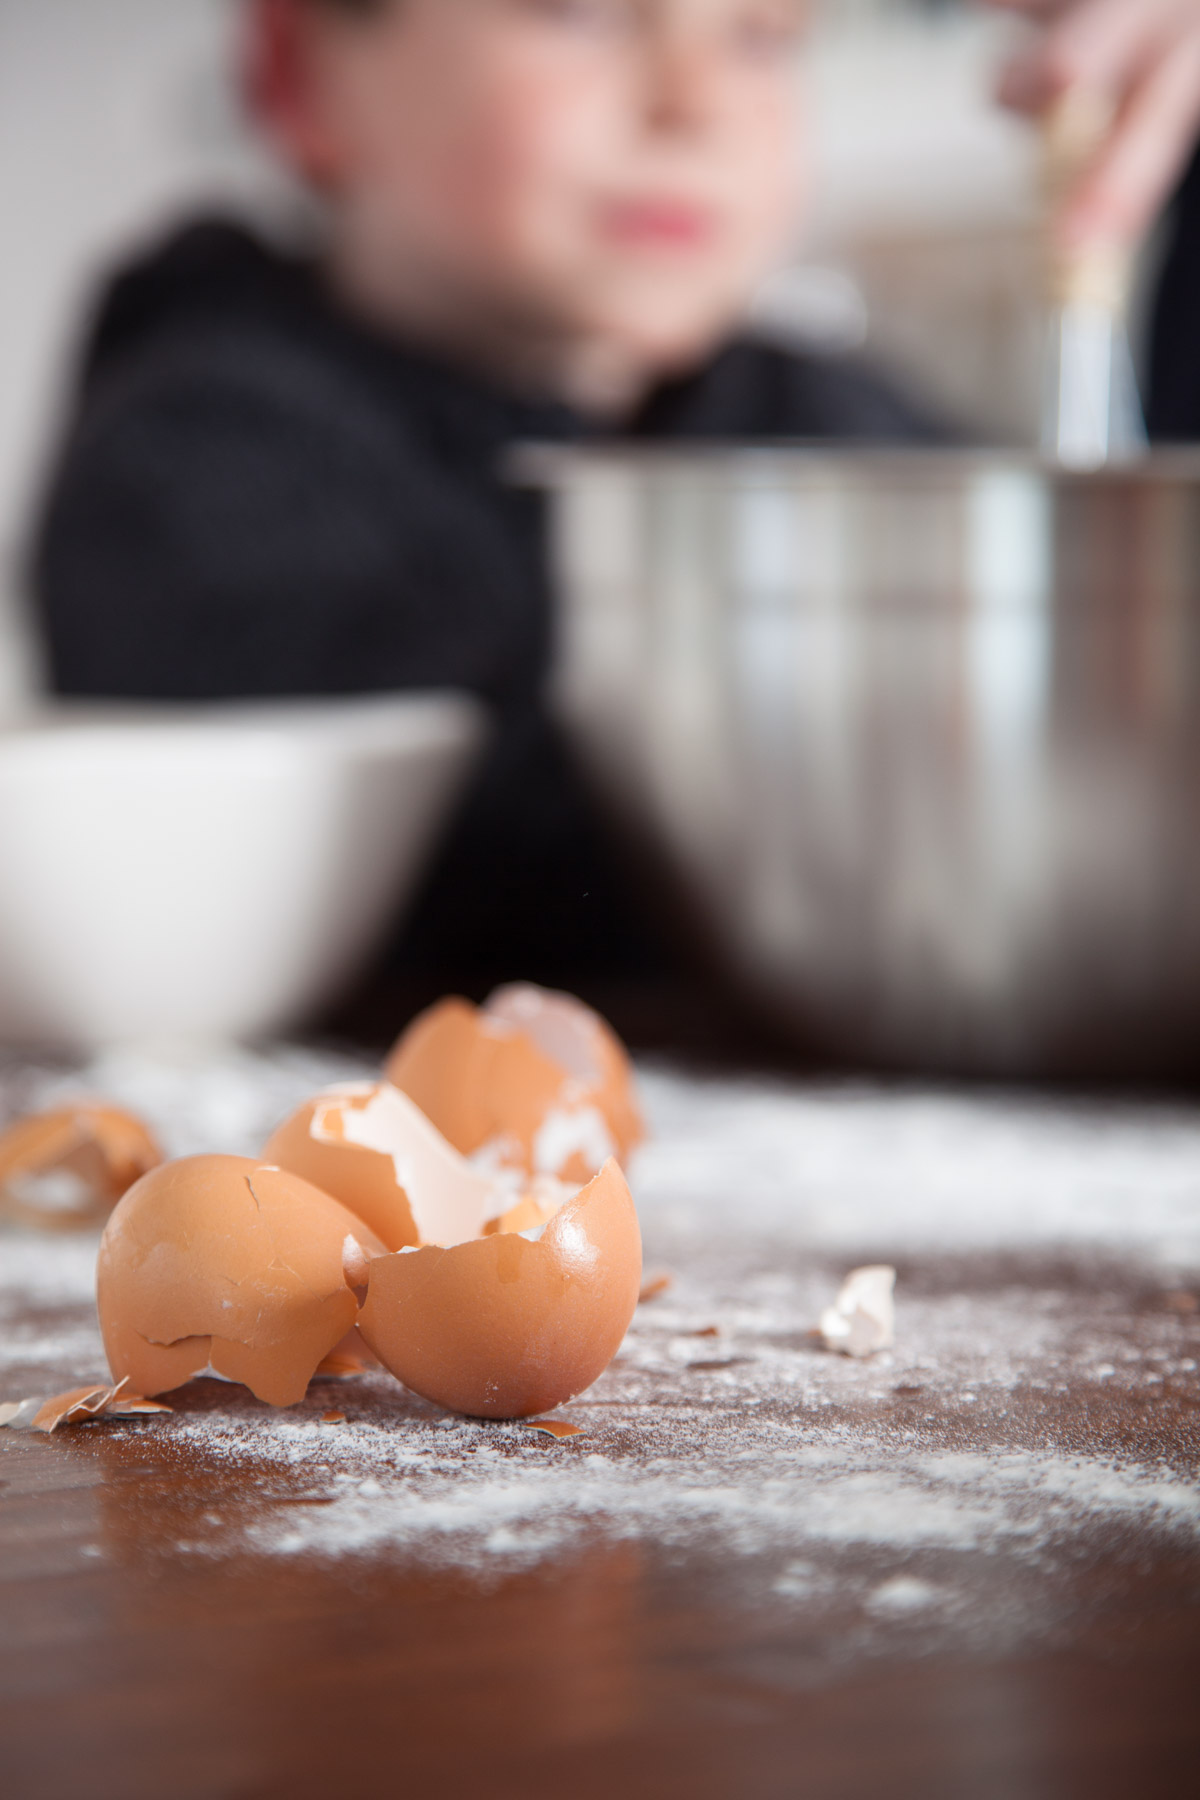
x=1102, y=45
x=1154, y=137
x=1145, y=56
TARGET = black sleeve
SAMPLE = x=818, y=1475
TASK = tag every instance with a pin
x=1173, y=401
x=232, y=519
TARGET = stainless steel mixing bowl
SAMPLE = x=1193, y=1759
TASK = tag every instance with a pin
x=920, y=733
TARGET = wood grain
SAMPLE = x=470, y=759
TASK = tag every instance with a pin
x=137, y=1660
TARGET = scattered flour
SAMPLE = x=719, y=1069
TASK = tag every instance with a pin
x=747, y=1487
x=862, y=1171
x=840, y=1168
x=1032, y=1240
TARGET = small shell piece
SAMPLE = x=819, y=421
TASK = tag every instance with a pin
x=80, y=1406
x=221, y=1263
x=534, y=1080
x=862, y=1319
x=537, y=1206
x=84, y=1405
x=350, y=1357
x=68, y=1168
x=505, y=1328
x=655, y=1288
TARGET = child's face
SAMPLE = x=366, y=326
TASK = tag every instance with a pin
x=619, y=171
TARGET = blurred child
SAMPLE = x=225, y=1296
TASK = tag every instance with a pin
x=545, y=217
x=542, y=219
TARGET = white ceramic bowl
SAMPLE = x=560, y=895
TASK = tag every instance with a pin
x=211, y=873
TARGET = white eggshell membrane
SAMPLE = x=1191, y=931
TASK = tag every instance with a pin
x=450, y=1201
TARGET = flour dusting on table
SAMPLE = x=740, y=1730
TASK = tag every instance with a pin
x=1013, y=1425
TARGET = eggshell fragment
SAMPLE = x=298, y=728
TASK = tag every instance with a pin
x=502, y=1327
x=68, y=1168
x=350, y=1357
x=372, y=1148
x=862, y=1319
x=542, y=1198
x=655, y=1288
x=70, y=1408
x=223, y=1264
x=85, y=1405
x=535, y=1081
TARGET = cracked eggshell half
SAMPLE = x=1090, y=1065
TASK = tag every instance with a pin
x=534, y=1080
x=372, y=1148
x=504, y=1327
x=224, y=1264
x=69, y=1167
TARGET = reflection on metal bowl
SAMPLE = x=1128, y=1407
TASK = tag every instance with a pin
x=918, y=731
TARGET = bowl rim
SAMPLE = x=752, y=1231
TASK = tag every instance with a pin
x=391, y=722
x=549, y=465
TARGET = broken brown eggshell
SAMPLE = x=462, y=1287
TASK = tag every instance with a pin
x=655, y=1288
x=534, y=1081
x=226, y=1265
x=337, y=1142
x=503, y=1327
x=67, y=1168
x=496, y=1295
x=373, y=1149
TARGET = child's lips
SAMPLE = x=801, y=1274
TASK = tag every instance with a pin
x=659, y=224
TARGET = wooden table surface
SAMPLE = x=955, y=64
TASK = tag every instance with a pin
x=226, y=1604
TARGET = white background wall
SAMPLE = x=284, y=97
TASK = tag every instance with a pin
x=117, y=114
x=113, y=114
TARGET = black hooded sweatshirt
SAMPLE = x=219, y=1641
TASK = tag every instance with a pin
x=260, y=496
x=1173, y=389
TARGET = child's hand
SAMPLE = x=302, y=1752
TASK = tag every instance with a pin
x=1143, y=56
